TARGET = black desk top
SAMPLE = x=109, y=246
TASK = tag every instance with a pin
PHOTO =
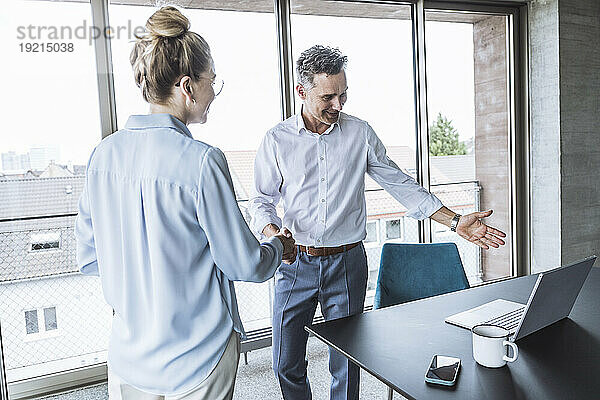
x=396, y=345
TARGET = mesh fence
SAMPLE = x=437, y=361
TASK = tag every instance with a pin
x=464, y=199
x=54, y=318
x=254, y=299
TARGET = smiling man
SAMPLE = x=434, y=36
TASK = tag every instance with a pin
x=315, y=162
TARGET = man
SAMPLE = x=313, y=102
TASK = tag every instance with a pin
x=315, y=162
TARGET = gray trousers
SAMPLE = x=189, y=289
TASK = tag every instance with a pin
x=338, y=283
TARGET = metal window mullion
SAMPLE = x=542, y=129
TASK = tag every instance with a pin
x=106, y=86
x=284, y=48
x=517, y=80
x=3, y=383
x=518, y=45
x=286, y=83
x=490, y=7
x=422, y=131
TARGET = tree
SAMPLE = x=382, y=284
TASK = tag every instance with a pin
x=443, y=139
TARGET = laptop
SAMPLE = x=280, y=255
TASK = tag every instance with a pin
x=551, y=300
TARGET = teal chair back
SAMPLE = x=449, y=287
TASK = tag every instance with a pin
x=414, y=271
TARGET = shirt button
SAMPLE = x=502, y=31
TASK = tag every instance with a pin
x=322, y=179
x=323, y=221
x=322, y=200
x=318, y=240
x=322, y=158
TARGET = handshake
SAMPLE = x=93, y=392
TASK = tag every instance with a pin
x=289, y=244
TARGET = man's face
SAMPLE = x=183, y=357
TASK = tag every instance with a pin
x=324, y=101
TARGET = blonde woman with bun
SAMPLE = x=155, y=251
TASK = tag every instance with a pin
x=159, y=223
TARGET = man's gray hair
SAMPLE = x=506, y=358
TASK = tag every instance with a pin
x=317, y=60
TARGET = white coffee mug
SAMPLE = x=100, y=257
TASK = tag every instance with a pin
x=490, y=346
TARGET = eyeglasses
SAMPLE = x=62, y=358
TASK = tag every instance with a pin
x=217, y=85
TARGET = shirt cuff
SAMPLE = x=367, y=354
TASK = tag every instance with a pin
x=426, y=208
x=275, y=242
x=259, y=224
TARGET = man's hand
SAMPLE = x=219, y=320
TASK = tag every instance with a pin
x=270, y=230
x=471, y=228
x=289, y=245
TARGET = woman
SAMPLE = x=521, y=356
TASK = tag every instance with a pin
x=159, y=223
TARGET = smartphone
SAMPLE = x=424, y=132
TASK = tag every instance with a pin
x=443, y=370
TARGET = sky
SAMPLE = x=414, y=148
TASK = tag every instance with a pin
x=52, y=97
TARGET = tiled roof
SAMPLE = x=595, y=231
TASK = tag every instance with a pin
x=453, y=168
x=40, y=196
x=27, y=196
x=444, y=169
x=43, y=196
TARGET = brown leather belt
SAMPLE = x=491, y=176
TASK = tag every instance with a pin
x=326, y=251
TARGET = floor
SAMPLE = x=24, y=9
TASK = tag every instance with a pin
x=256, y=381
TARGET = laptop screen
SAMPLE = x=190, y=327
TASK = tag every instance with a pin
x=553, y=296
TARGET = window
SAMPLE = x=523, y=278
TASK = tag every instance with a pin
x=44, y=241
x=66, y=85
x=381, y=93
x=468, y=76
x=469, y=112
x=35, y=326
x=50, y=318
x=242, y=113
x=31, y=322
x=372, y=232
x=393, y=229
x=54, y=115
x=247, y=63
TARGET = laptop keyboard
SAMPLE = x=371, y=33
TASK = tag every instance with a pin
x=509, y=321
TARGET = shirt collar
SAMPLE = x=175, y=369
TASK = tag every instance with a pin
x=157, y=121
x=300, y=124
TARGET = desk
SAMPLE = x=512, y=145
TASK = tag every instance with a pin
x=396, y=344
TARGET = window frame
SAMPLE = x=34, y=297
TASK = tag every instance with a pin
x=41, y=242
x=377, y=241
x=384, y=229
x=42, y=332
x=519, y=136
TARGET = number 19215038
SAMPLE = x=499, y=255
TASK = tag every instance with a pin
x=36, y=47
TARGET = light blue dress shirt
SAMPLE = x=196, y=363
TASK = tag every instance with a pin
x=321, y=181
x=159, y=222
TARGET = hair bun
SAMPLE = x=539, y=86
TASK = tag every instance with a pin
x=167, y=22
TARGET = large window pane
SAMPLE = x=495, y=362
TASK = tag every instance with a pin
x=50, y=127
x=469, y=114
x=377, y=38
x=242, y=113
x=248, y=105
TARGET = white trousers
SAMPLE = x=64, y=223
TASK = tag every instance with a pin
x=217, y=386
